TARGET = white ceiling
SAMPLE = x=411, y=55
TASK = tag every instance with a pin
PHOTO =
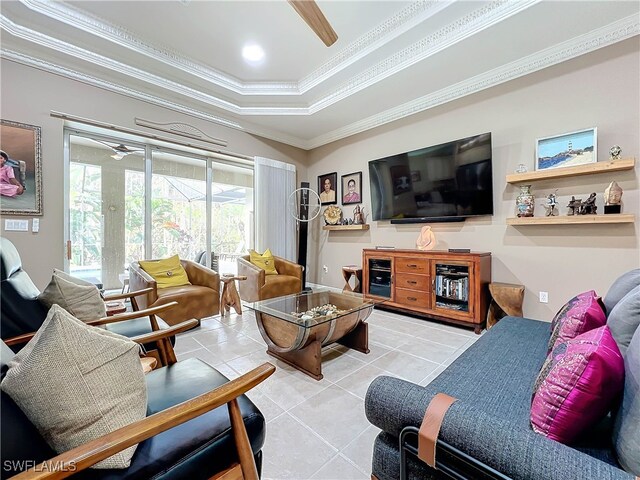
x=392, y=58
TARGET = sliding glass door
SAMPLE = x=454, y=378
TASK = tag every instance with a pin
x=129, y=201
x=105, y=209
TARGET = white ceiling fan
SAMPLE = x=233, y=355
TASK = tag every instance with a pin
x=311, y=13
x=121, y=150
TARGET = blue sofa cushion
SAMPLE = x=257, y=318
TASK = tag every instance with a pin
x=626, y=432
x=623, y=285
x=624, y=319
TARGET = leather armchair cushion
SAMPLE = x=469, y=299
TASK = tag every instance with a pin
x=278, y=285
x=194, y=301
x=133, y=328
x=198, y=448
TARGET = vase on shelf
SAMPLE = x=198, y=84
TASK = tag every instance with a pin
x=525, y=202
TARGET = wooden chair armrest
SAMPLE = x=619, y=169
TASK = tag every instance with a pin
x=93, y=452
x=120, y=317
x=166, y=332
x=24, y=338
x=121, y=296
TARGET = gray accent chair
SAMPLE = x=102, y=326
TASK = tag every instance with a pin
x=486, y=433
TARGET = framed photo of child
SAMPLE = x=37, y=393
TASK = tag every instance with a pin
x=352, y=188
x=20, y=169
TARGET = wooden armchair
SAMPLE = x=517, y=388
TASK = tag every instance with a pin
x=22, y=312
x=259, y=286
x=186, y=434
x=199, y=300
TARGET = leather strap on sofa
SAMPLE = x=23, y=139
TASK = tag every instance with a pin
x=430, y=427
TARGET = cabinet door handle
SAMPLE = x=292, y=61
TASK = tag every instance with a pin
x=413, y=299
x=412, y=282
x=412, y=265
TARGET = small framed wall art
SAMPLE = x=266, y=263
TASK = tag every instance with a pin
x=567, y=150
x=351, y=188
x=327, y=188
x=20, y=169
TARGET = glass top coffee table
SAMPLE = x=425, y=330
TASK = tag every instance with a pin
x=296, y=327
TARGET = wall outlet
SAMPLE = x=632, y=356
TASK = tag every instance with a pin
x=35, y=225
x=544, y=297
x=325, y=269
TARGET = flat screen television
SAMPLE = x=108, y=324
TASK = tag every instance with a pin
x=446, y=182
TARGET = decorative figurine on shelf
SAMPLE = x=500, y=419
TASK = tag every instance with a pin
x=589, y=206
x=359, y=217
x=521, y=168
x=612, y=198
x=426, y=240
x=550, y=206
x=614, y=153
x=574, y=206
x=333, y=215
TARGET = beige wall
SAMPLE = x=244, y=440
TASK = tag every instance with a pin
x=28, y=95
x=600, y=89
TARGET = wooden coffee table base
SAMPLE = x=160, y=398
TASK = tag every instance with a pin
x=301, y=347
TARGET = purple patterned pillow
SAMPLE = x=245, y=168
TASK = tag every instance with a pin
x=577, y=385
x=582, y=313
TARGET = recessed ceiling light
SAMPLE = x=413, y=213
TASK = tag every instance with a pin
x=253, y=53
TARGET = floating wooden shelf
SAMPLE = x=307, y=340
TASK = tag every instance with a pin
x=573, y=220
x=346, y=227
x=589, y=169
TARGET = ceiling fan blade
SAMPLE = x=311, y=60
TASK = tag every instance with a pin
x=311, y=13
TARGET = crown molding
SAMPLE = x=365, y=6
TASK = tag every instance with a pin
x=455, y=32
x=602, y=37
x=451, y=34
x=414, y=14
x=608, y=35
x=396, y=25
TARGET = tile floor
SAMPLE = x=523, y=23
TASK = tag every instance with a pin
x=318, y=429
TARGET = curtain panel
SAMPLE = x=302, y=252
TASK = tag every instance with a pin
x=275, y=224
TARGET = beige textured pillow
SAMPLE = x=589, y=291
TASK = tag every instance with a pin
x=77, y=383
x=80, y=298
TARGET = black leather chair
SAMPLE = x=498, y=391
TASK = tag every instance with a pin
x=199, y=440
x=21, y=312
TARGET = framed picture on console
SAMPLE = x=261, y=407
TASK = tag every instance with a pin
x=567, y=150
x=20, y=169
x=327, y=188
x=351, y=188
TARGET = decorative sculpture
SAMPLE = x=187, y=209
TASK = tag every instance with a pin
x=615, y=152
x=550, y=206
x=426, y=240
x=574, y=206
x=359, y=217
x=612, y=198
x=589, y=206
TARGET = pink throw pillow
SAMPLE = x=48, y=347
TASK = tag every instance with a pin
x=577, y=385
x=582, y=313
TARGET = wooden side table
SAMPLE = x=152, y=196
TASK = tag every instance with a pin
x=229, y=297
x=347, y=273
x=506, y=299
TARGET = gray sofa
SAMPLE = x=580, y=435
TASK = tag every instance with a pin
x=489, y=424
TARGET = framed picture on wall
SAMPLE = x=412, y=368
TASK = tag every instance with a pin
x=567, y=150
x=327, y=188
x=351, y=188
x=20, y=169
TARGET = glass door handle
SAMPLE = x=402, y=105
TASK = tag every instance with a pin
x=68, y=249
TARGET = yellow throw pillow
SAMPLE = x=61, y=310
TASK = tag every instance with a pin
x=167, y=272
x=264, y=261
